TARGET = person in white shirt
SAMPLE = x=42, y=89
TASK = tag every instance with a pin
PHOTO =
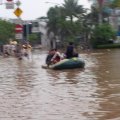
x=57, y=56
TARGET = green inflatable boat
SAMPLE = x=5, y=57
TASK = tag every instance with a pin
x=68, y=64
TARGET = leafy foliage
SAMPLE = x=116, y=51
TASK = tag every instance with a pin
x=34, y=38
x=6, y=31
x=71, y=20
x=115, y=4
x=108, y=46
x=65, y=21
x=72, y=9
x=102, y=34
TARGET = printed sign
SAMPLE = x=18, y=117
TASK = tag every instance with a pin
x=18, y=12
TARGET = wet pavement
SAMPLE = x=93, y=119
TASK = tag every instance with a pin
x=28, y=92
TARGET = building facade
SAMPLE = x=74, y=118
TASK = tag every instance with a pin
x=38, y=27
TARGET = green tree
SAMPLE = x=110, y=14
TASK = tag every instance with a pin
x=73, y=9
x=53, y=23
x=102, y=34
x=7, y=31
x=65, y=21
x=33, y=38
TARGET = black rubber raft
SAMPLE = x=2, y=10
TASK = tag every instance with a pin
x=67, y=64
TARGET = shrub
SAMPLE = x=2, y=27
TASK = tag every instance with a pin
x=102, y=34
x=108, y=46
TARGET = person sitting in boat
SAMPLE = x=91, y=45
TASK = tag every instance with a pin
x=50, y=56
x=71, y=52
x=57, y=56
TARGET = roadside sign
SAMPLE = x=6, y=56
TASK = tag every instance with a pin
x=18, y=21
x=18, y=12
x=18, y=28
x=9, y=5
x=35, y=29
x=18, y=3
x=19, y=36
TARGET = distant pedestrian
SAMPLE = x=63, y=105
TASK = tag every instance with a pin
x=19, y=51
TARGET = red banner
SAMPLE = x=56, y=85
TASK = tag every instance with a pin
x=18, y=28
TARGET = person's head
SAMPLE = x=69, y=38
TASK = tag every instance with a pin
x=70, y=43
x=52, y=51
x=55, y=49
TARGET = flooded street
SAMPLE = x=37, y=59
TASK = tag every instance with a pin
x=28, y=92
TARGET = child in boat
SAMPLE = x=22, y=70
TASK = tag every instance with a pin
x=57, y=56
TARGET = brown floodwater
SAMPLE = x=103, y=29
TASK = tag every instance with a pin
x=28, y=92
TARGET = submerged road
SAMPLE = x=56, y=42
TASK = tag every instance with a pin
x=28, y=92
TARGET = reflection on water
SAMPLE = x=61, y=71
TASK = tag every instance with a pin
x=28, y=92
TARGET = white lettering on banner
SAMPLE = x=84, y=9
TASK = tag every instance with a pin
x=18, y=28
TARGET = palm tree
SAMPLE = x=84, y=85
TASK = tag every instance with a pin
x=57, y=24
x=60, y=26
x=72, y=9
x=52, y=23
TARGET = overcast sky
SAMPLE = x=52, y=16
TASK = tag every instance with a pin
x=33, y=9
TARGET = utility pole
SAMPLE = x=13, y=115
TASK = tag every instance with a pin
x=19, y=35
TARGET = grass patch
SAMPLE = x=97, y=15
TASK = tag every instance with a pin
x=116, y=45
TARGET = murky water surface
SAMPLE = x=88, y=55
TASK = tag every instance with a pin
x=28, y=92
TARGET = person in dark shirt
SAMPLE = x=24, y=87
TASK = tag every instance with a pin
x=70, y=50
x=50, y=56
